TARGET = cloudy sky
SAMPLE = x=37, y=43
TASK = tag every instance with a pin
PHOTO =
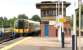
x=10, y=8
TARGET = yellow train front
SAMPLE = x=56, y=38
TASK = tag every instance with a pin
x=25, y=27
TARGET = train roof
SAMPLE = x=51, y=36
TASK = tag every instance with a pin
x=36, y=22
x=30, y=21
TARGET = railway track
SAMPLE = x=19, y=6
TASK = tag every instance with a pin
x=10, y=36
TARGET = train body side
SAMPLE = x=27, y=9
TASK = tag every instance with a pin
x=30, y=28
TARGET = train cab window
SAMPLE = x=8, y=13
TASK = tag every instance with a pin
x=20, y=24
x=16, y=24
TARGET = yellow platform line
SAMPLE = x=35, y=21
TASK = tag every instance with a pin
x=14, y=44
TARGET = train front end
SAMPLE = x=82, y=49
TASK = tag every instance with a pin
x=21, y=27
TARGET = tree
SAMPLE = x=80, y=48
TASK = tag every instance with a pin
x=77, y=15
x=5, y=22
x=36, y=18
x=1, y=20
x=77, y=11
x=12, y=20
x=22, y=16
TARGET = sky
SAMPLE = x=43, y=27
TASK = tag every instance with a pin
x=11, y=8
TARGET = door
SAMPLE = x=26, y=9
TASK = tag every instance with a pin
x=46, y=30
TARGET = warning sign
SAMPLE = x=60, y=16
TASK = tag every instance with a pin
x=60, y=19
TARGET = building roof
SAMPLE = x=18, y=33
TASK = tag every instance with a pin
x=51, y=3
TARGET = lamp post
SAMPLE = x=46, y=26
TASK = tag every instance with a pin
x=60, y=24
x=62, y=27
x=79, y=6
x=74, y=36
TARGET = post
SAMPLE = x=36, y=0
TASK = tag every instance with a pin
x=56, y=8
x=62, y=27
x=74, y=37
x=79, y=6
x=13, y=33
x=14, y=29
x=2, y=30
x=58, y=23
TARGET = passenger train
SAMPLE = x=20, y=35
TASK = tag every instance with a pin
x=24, y=27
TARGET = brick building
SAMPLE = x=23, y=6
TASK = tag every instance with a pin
x=49, y=11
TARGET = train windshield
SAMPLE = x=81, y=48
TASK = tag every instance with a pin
x=20, y=24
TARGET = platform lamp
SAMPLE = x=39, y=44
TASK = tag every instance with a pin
x=74, y=36
x=59, y=18
x=62, y=28
x=79, y=6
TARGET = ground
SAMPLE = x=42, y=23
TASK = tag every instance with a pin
x=38, y=43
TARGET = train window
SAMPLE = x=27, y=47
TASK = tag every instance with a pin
x=20, y=24
x=16, y=24
x=30, y=25
x=26, y=24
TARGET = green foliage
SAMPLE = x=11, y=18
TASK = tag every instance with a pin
x=77, y=15
x=77, y=10
x=36, y=18
x=1, y=20
x=11, y=21
x=22, y=16
x=4, y=22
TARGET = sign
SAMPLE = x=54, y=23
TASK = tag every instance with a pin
x=52, y=22
x=60, y=19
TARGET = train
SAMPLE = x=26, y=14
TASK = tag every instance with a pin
x=24, y=27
